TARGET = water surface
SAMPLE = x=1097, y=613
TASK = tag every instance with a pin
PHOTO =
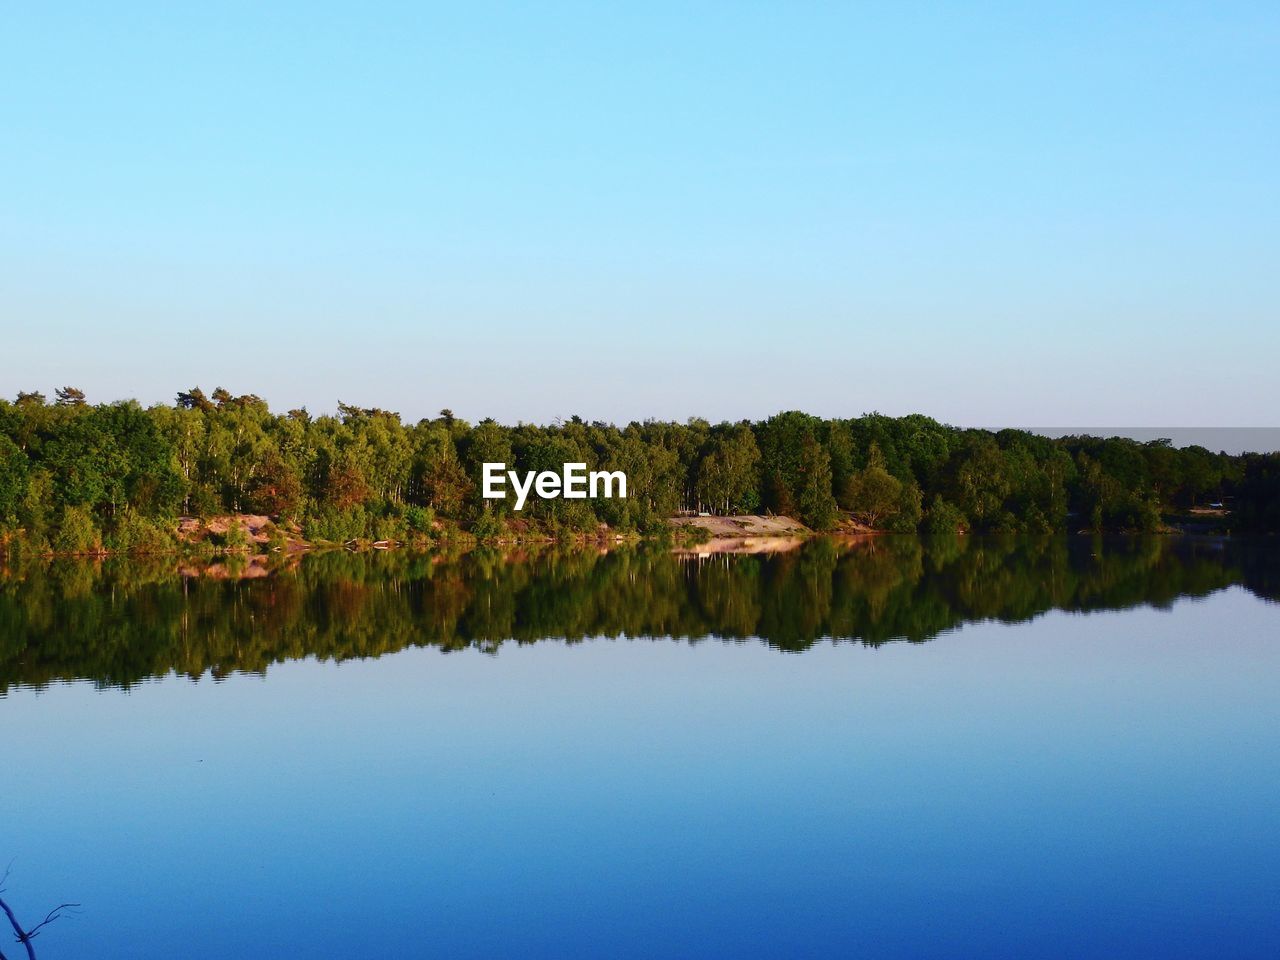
x=629, y=754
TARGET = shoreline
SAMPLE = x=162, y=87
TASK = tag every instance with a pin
x=200, y=558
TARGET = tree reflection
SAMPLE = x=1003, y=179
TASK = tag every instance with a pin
x=120, y=621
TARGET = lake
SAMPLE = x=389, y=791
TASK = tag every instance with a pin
x=1065, y=747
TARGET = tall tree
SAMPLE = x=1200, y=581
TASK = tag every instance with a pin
x=873, y=494
x=69, y=397
x=816, y=503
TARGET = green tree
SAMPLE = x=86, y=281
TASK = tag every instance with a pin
x=784, y=441
x=728, y=474
x=13, y=480
x=873, y=494
x=981, y=481
x=944, y=518
x=816, y=503
x=77, y=532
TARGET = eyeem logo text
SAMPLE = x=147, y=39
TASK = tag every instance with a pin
x=574, y=483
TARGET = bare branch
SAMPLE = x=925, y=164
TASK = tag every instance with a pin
x=25, y=937
x=17, y=928
x=51, y=916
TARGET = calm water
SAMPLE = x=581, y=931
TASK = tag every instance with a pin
x=1077, y=756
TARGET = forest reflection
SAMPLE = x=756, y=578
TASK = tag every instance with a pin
x=118, y=622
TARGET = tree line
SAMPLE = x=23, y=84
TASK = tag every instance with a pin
x=76, y=475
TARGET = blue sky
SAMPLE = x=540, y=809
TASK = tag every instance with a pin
x=1028, y=214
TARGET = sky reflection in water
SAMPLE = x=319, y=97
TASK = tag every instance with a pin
x=1071, y=785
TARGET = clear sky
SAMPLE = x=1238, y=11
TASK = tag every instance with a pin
x=1019, y=214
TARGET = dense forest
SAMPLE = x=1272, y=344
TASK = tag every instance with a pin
x=76, y=476
x=123, y=620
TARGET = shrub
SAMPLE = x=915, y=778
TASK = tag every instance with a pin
x=77, y=533
x=236, y=539
x=907, y=519
x=388, y=527
x=944, y=518
x=203, y=501
x=421, y=520
x=332, y=524
x=276, y=540
x=135, y=533
x=487, y=528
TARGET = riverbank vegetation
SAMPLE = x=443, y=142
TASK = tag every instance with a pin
x=77, y=477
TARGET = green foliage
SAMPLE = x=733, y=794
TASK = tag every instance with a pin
x=13, y=481
x=487, y=527
x=35, y=509
x=815, y=500
x=202, y=501
x=276, y=539
x=77, y=533
x=364, y=474
x=728, y=474
x=784, y=441
x=1112, y=503
x=945, y=519
x=906, y=518
x=419, y=520
x=136, y=534
x=981, y=483
x=873, y=494
x=236, y=539
x=336, y=525
x=385, y=526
